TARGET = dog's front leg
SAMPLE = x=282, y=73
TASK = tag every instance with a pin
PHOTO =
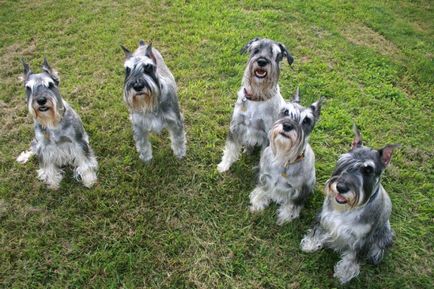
x=314, y=240
x=177, y=137
x=51, y=175
x=347, y=268
x=143, y=145
x=231, y=153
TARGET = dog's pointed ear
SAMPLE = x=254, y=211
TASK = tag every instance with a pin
x=141, y=42
x=285, y=53
x=316, y=107
x=357, y=141
x=53, y=73
x=26, y=70
x=149, y=53
x=386, y=153
x=128, y=53
x=296, y=97
x=248, y=46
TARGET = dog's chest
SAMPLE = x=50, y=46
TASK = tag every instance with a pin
x=152, y=121
x=56, y=148
x=344, y=228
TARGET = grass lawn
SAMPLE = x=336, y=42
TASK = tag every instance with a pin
x=180, y=224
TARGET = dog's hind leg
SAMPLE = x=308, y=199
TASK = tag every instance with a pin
x=382, y=240
x=230, y=155
x=177, y=137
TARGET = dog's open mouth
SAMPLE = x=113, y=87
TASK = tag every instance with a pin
x=284, y=135
x=260, y=73
x=340, y=199
x=43, y=108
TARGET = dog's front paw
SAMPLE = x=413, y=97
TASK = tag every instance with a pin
x=222, y=167
x=180, y=154
x=146, y=158
x=310, y=244
x=287, y=214
x=346, y=270
x=25, y=156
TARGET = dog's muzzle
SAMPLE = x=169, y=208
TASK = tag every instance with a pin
x=260, y=71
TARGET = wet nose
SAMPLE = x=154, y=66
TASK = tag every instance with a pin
x=288, y=127
x=262, y=62
x=342, y=188
x=138, y=85
x=41, y=100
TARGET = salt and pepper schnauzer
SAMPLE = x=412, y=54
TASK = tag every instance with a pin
x=150, y=94
x=354, y=219
x=259, y=99
x=60, y=138
x=287, y=166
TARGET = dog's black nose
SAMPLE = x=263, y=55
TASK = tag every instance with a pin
x=41, y=100
x=262, y=62
x=342, y=188
x=138, y=85
x=288, y=127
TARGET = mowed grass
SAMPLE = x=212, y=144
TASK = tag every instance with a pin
x=178, y=223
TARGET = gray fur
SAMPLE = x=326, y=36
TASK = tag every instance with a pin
x=287, y=166
x=60, y=138
x=259, y=100
x=354, y=219
x=160, y=107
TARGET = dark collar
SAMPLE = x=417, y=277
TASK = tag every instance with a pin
x=372, y=197
x=298, y=159
x=249, y=96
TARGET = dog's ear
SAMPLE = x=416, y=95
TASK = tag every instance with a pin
x=26, y=70
x=53, y=73
x=142, y=42
x=296, y=97
x=357, y=141
x=386, y=153
x=316, y=107
x=285, y=53
x=128, y=53
x=149, y=53
x=248, y=46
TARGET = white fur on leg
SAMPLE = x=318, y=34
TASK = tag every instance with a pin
x=25, y=156
x=312, y=242
x=230, y=155
x=144, y=148
x=346, y=269
x=259, y=200
x=86, y=171
x=287, y=213
x=178, y=144
x=51, y=175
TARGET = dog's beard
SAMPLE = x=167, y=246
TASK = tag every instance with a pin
x=47, y=115
x=145, y=100
x=261, y=82
x=340, y=202
x=286, y=146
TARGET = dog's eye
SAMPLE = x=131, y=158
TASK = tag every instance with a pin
x=127, y=70
x=50, y=85
x=256, y=51
x=148, y=67
x=307, y=121
x=367, y=170
x=286, y=112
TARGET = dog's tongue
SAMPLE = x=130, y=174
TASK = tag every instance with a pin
x=340, y=199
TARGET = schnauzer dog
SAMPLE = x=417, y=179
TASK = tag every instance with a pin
x=150, y=94
x=60, y=138
x=354, y=219
x=259, y=100
x=287, y=166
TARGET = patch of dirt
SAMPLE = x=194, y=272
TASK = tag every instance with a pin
x=360, y=34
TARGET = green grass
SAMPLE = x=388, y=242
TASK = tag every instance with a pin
x=180, y=224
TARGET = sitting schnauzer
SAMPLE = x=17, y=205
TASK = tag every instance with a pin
x=150, y=94
x=60, y=138
x=287, y=166
x=354, y=219
x=259, y=100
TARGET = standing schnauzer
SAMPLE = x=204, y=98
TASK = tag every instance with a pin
x=259, y=99
x=287, y=166
x=60, y=138
x=150, y=94
x=354, y=219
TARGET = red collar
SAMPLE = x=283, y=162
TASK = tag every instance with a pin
x=298, y=159
x=249, y=96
